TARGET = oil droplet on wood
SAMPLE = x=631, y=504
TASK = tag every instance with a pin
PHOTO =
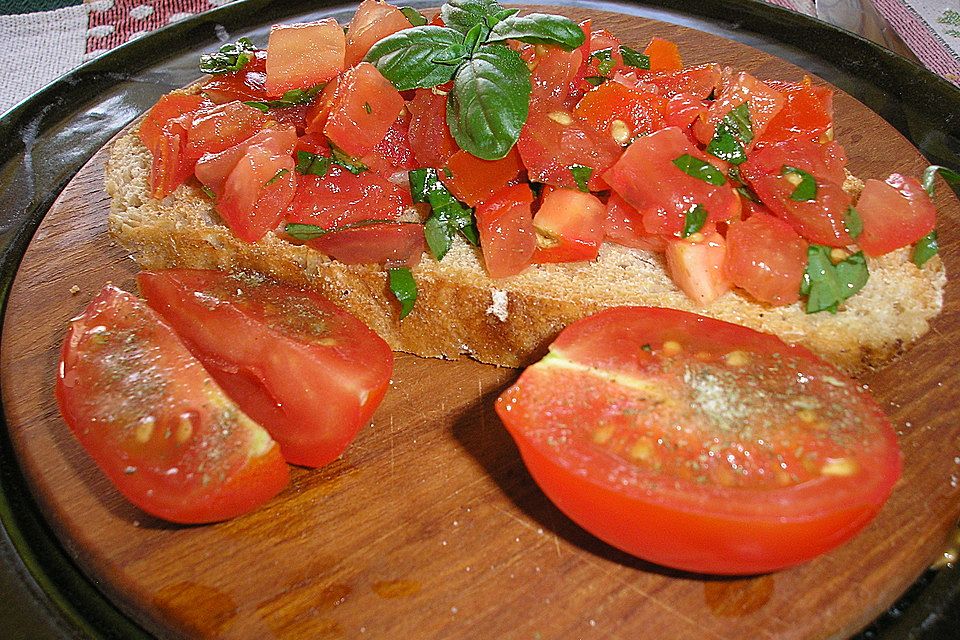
x=204, y=611
x=734, y=598
x=332, y=596
x=396, y=588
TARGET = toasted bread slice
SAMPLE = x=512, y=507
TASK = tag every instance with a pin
x=461, y=311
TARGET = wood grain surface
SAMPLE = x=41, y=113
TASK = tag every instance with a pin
x=429, y=526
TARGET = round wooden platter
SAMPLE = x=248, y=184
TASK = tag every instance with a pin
x=429, y=526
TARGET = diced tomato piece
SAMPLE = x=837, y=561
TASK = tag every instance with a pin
x=164, y=132
x=169, y=168
x=153, y=420
x=623, y=224
x=213, y=169
x=895, y=213
x=392, y=244
x=373, y=21
x=807, y=113
x=764, y=104
x=664, y=55
x=647, y=179
x=569, y=226
x=245, y=85
x=767, y=258
x=311, y=373
x=220, y=127
x=340, y=198
x=821, y=220
x=364, y=106
x=683, y=111
x=622, y=112
x=507, y=237
x=697, y=82
x=301, y=56
x=473, y=180
x=553, y=76
x=393, y=154
x=696, y=263
x=429, y=135
x=319, y=110
x=168, y=107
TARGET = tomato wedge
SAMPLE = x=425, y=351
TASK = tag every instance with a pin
x=153, y=420
x=306, y=370
x=699, y=444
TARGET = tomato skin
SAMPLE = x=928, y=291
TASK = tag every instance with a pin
x=895, y=213
x=641, y=111
x=807, y=113
x=373, y=21
x=393, y=153
x=390, y=244
x=697, y=82
x=507, y=237
x=473, y=180
x=309, y=372
x=217, y=465
x=664, y=55
x=363, y=107
x=570, y=226
x=429, y=136
x=767, y=258
x=222, y=126
x=168, y=107
x=301, y=56
x=595, y=424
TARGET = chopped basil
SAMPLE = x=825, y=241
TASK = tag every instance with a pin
x=646, y=347
x=307, y=232
x=926, y=248
x=413, y=16
x=292, y=98
x=853, y=223
x=826, y=284
x=209, y=192
x=949, y=175
x=595, y=81
x=606, y=61
x=367, y=107
x=312, y=164
x=581, y=175
x=734, y=132
x=700, y=169
x=733, y=173
x=694, y=220
x=231, y=57
x=448, y=215
x=633, y=58
x=806, y=189
x=348, y=162
x=276, y=177
x=404, y=289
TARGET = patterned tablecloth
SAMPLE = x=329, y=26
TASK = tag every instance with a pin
x=46, y=38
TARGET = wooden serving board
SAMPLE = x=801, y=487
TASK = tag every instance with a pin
x=429, y=526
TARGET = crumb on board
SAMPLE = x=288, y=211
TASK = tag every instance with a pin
x=75, y=289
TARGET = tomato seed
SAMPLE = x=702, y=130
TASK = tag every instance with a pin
x=672, y=348
x=620, y=132
x=561, y=117
x=840, y=468
x=738, y=358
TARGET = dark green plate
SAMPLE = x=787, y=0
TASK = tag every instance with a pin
x=45, y=140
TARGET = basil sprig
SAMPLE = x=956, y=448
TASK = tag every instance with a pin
x=488, y=103
x=231, y=57
x=826, y=284
x=448, y=216
x=404, y=289
x=292, y=98
x=734, y=132
x=700, y=169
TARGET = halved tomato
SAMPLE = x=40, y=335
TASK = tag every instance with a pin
x=695, y=265
x=340, y=197
x=569, y=226
x=373, y=21
x=767, y=258
x=473, y=180
x=153, y=420
x=309, y=372
x=895, y=213
x=392, y=244
x=698, y=444
x=506, y=231
x=302, y=56
x=362, y=109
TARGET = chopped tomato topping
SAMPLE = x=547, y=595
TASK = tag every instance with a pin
x=622, y=112
x=895, y=213
x=664, y=55
x=569, y=226
x=392, y=244
x=430, y=137
x=302, y=56
x=506, y=231
x=695, y=264
x=340, y=197
x=767, y=258
x=474, y=180
x=763, y=103
x=373, y=21
x=362, y=109
x=623, y=224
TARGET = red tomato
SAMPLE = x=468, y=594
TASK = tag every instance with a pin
x=222, y=126
x=767, y=258
x=373, y=21
x=895, y=213
x=764, y=104
x=393, y=154
x=306, y=370
x=807, y=113
x=164, y=132
x=392, y=244
x=647, y=179
x=553, y=76
x=664, y=55
x=698, y=444
x=153, y=420
x=301, y=56
x=473, y=180
x=341, y=198
x=506, y=231
x=622, y=112
x=623, y=224
x=695, y=265
x=683, y=111
x=168, y=107
x=697, y=82
x=245, y=85
x=363, y=107
x=821, y=220
x=569, y=226
x=430, y=137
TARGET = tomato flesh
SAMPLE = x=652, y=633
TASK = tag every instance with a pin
x=505, y=224
x=698, y=444
x=309, y=372
x=696, y=266
x=767, y=258
x=430, y=137
x=392, y=244
x=301, y=56
x=340, y=197
x=473, y=180
x=623, y=225
x=569, y=226
x=764, y=103
x=362, y=109
x=895, y=213
x=154, y=421
x=373, y=21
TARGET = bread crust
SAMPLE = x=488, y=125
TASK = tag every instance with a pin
x=460, y=311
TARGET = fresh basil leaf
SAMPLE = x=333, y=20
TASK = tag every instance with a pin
x=209, y=192
x=694, y=220
x=539, y=28
x=806, y=189
x=413, y=16
x=404, y=289
x=489, y=102
x=733, y=133
x=348, y=162
x=312, y=164
x=853, y=223
x=596, y=81
x=464, y=15
x=474, y=37
x=733, y=173
x=927, y=181
x=826, y=284
x=492, y=21
x=606, y=61
x=926, y=248
x=276, y=177
x=448, y=215
x=581, y=175
x=292, y=98
x=633, y=58
x=407, y=58
x=452, y=56
x=229, y=58
x=700, y=169
x=307, y=232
